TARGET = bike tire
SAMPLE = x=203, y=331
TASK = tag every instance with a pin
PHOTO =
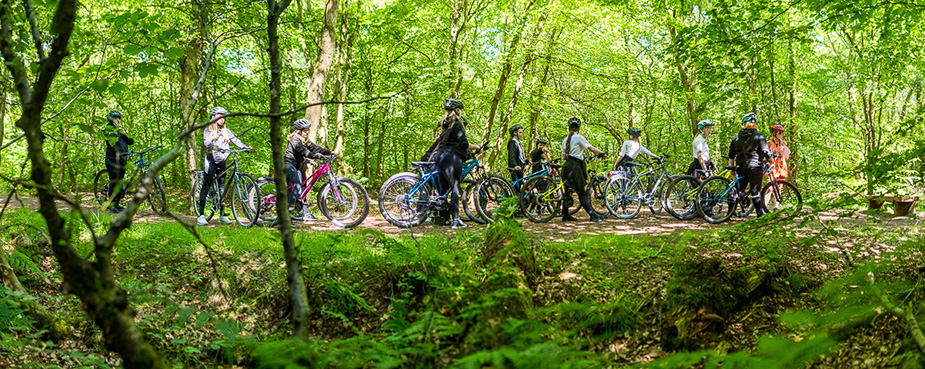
x=598, y=196
x=540, y=199
x=355, y=206
x=265, y=190
x=211, y=204
x=717, y=200
x=398, y=207
x=244, y=201
x=492, y=192
x=101, y=187
x=657, y=194
x=157, y=199
x=787, y=197
x=681, y=196
x=468, y=201
x=623, y=197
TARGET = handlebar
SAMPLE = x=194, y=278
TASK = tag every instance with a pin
x=155, y=148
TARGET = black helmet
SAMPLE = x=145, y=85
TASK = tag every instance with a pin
x=541, y=141
x=113, y=115
x=452, y=104
x=704, y=123
x=300, y=124
x=514, y=128
x=750, y=117
x=635, y=132
x=574, y=122
x=217, y=110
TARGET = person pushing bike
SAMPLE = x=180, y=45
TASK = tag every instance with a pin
x=117, y=143
x=631, y=149
x=216, y=139
x=701, y=149
x=299, y=149
x=748, y=150
x=575, y=170
x=448, y=153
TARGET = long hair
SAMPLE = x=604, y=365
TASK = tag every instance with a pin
x=567, y=150
x=750, y=124
x=297, y=135
x=451, y=117
x=213, y=132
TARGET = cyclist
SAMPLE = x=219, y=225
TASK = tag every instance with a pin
x=448, y=153
x=575, y=172
x=216, y=138
x=117, y=143
x=631, y=149
x=749, y=150
x=540, y=155
x=701, y=149
x=516, y=157
x=298, y=149
x=778, y=147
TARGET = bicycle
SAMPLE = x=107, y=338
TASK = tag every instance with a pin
x=407, y=199
x=681, y=195
x=157, y=199
x=339, y=198
x=625, y=194
x=243, y=201
x=468, y=201
x=542, y=195
x=719, y=198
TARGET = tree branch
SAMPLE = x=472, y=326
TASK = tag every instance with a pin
x=36, y=36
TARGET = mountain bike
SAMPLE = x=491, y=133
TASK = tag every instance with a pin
x=780, y=194
x=472, y=173
x=407, y=199
x=157, y=199
x=681, y=195
x=625, y=194
x=343, y=201
x=720, y=198
x=542, y=195
x=244, y=201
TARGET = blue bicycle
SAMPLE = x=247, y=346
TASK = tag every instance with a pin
x=407, y=199
x=720, y=198
x=156, y=197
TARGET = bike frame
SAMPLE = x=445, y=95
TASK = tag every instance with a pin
x=141, y=165
x=429, y=177
x=664, y=174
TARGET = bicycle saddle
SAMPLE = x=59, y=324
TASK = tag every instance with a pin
x=422, y=163
x=732, y=167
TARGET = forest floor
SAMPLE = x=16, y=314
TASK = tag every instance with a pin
x=616, y=262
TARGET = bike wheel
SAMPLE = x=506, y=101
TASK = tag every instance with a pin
x=212, y=199
x=346, y=204
x=491, y=192
x=244, y=200
x=464, y=201
x=404, y=200
x=468, y=202
x=654, y=203
x=101, y=187
x=680, y=197
x=717, y=200
x=623, y=198
x=780, y=194
x=597, y=195
x=265, y=193
x=157, y=199
x=540, y=199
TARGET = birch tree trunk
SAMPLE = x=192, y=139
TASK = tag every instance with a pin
x=189, y=63
x=323, y=64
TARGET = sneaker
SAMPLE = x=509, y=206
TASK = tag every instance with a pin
x=309, y=217
x=532, y=212
x=569, y=218
x=202, y=220
x=458, y=223
x=224, y=220
x=596, y=219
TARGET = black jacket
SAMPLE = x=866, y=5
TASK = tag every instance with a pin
x=116, y=142
x=296, y=151
x=749, y=149
x=453, y=138
x=515, y=155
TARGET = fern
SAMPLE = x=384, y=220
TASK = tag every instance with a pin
x=23, y=264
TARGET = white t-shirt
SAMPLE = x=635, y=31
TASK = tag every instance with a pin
x=579, y=145
x=700, y=145
x=631, y=149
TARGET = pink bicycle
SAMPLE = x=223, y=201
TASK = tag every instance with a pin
x=343, y=201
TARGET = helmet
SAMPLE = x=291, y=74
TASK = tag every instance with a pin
x=113, y=115
x=452, y=104
x=300, y=124
x=704, y=123
x=217, y=110
x=777, y=128
x=750, y=117
x=574, y=122
x=635, y=132
x=541, y=141
x=514, y=128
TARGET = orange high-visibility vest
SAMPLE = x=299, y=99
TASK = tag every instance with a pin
x=779, y=165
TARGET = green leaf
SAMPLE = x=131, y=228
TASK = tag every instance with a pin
x=100, y=86
x=132, y=49
x=117, y=88
x=174, y=52
x=85, y=128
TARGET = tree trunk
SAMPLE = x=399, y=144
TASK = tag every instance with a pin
x=189, y=64
x=506, y=117
x=539, y=92
x=688, y=80
x=341, y=84
x=297, y=289
x=382, y=135
x=457, y=28
x=3, y=98
x=774, y=89
x=323, y=64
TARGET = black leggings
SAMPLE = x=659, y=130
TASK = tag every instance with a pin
x=116, y=170
x=210, y=168
x=294, y=176
x=753, y=177
x=584, y=199
x=450, y=166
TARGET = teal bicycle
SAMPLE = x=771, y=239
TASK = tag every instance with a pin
x=720, y=198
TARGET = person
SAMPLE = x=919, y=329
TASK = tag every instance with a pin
x=575, y=172
x=117, y=143
x=516, y=157
x=702, y=150
x=299, y=149
x=448, y=153
x=748, y=150
x=778, y=147
x=216, y=138
x=631, y=149
x=540, y=155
